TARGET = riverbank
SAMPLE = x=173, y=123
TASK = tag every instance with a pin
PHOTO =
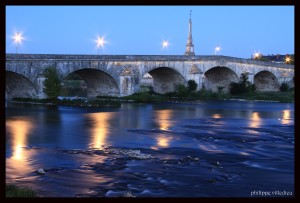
x=284, y=97
x=83, y=102
x=152, y=97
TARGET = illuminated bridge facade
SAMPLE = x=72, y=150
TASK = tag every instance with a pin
x=121, y=75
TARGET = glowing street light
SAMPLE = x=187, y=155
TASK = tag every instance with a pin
x=287, y=60
x=165, y=44
x=100, y=42
x=256, y=55
x=17, y=40
x=217, y=49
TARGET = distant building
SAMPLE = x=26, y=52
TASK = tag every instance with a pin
x=278, y=58
x=275, y=58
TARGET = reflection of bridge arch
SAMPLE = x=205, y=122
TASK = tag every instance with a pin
x=165, y=79
x=18, y=85
x=266, y=81
x=98, y=82
x=219, y=77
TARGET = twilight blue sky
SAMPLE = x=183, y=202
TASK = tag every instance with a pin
x=140, y=30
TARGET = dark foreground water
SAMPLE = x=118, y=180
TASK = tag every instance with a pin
x=209, y=149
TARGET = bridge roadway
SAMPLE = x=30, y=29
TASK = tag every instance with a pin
x=121, y=75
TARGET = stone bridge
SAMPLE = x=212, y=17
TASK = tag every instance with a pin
x=121, y=75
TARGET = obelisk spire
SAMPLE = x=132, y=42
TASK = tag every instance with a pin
x=189, y=50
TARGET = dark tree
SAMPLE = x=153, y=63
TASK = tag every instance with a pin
x=244, y=86
x=284, y=87
x=52, y=84
x=192, y=85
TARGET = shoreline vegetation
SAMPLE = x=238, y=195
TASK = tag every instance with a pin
x=17, y=191
x=152, y=97
x=203, y=95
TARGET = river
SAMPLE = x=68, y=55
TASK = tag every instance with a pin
x=207, y=149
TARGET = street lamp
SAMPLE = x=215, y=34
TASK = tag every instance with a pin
x=100, y=43
x=217, y=49
x=256, y=55
x=17, y=39
x=165, y=44
x=287, y=60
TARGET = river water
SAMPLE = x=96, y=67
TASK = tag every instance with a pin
x=207, y=149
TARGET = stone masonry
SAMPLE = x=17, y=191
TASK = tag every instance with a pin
x=121, y=75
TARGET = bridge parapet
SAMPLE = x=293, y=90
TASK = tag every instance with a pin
x=117, y=58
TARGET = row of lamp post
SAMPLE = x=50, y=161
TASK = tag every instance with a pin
x=100, y=43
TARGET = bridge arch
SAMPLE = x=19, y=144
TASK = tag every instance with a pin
x=165, y=79
x=17, y=85
x=266, y=81
x=219, y=76
x=98, y=82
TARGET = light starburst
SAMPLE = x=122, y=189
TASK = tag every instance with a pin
x=217, y=49
x=17, y=39
x=165, y=44
x=100, y=42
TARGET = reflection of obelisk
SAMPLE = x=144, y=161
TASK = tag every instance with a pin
x=189, y=50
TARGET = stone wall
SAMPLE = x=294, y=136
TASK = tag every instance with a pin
x=121, y=75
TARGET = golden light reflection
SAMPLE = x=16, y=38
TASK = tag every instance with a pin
x=19, y=130
x=286, y=117
x=255, y=120
x=163, y=141
x=19, y=164
x=100, y=128
x=217, y=115
x=164, y=118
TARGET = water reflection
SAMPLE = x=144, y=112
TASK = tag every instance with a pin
x=164, y=118
x=217, y=115
x=286, y=117
x=19, y=161
x=19, y=130
x=255, y=120
x=210, y=148
x=194, y=130
x=163, y=141
x=100, y=128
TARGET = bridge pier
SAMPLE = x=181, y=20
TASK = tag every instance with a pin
x=197, y=77
x=40, y=86
x=288, y=80
x=201, y=81
x=127, y=86
x=251, y=78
